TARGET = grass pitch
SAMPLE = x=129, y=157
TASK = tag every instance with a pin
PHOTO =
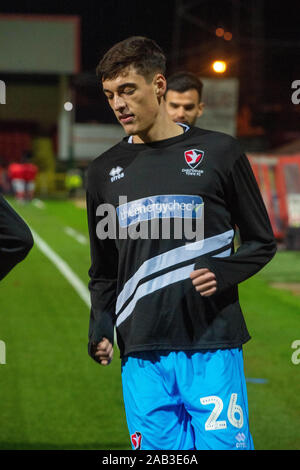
x=53, y=396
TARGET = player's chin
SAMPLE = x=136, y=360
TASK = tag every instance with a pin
x=129, y=128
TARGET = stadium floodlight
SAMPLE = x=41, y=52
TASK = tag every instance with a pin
x=220, y=32
x=227, y=36
x=219, y=66
x=68, y=106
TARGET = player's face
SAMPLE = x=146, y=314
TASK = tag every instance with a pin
x=184, y=107
x=134, y=100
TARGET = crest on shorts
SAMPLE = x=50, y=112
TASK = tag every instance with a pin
x=193, y=157
x=136, y=440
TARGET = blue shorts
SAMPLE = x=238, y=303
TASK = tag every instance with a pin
x=185, y=400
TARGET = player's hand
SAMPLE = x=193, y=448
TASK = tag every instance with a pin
x=104, y=352
x=204, y=281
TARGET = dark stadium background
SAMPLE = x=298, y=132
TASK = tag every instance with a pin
x=52, y=395
x=265, y=48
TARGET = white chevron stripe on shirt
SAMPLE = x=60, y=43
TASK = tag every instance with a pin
x=171, y=258
x=157, y=283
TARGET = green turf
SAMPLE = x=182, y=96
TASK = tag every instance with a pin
x=50, y=224
x=273, y=318
x=285, y=267
x=53, y=396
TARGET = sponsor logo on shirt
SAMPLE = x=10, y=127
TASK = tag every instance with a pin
x=136, y=440
x=116, y=174
x=193, y=158
x=159, y=207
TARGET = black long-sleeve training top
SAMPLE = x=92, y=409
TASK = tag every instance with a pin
x=15, y=238
x=141, y=284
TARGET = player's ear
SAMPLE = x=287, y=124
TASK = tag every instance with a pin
x=160, y=84
x=200, y=109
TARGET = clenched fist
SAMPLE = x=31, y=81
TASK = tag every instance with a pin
x=204, y=281
x=104, y=352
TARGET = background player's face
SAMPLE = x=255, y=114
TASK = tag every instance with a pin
x=184, y=107
x=134, y=100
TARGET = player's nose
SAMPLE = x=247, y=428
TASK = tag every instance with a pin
x=118, y=103
x=180, y=113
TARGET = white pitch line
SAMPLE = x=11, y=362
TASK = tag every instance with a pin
x=76, y=235
x=64, y=268
x=38, y=203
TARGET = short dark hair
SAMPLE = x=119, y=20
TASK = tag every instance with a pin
x=184, y=81
x=137, y=51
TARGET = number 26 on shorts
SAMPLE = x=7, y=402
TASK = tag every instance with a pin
x=233, y=411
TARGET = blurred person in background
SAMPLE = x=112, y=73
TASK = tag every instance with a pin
x=30, y=171
x=183, y=98
x=73, y=181
x=15, y=173
x=22, y=176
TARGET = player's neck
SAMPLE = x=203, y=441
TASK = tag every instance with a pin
x=163, y=128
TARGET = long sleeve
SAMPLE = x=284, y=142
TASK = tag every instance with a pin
x=15, y=238
x=249, y=214
x=103, y=281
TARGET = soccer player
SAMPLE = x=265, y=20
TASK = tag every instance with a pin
x=16, y=175
x=174, y=301
x=15, y=238
x=30, y=171
x=183, y=98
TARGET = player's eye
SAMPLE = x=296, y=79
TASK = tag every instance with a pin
x=129, y=91
x=109, y=96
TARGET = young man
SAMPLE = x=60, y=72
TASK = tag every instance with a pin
x=183, y=98
x=15, y=238
x=174, y=301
